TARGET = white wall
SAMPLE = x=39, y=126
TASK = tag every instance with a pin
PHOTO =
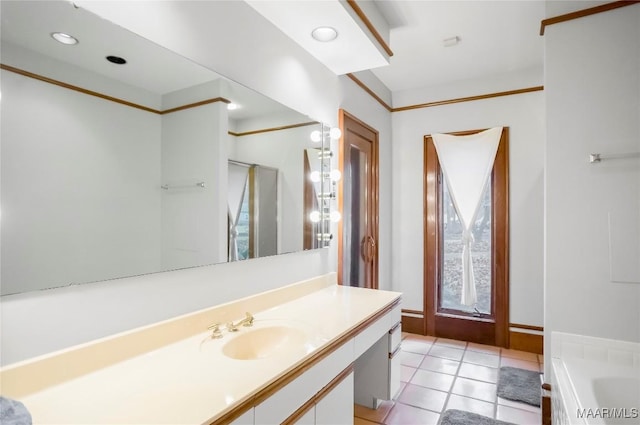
x=592, y=80
x=76, y=168
x=524, y=115
x=39, y=322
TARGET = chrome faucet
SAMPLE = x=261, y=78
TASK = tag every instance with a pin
x=247, y=321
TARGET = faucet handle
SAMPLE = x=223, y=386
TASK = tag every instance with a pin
x=248, y=321
x=231, y=327
x=215, y=330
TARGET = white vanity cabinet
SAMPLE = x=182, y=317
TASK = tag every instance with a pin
x=344, y=327
x=336, y=407
x=333, y=407
x=280, y=406
x=364, y=369
x=377, y=370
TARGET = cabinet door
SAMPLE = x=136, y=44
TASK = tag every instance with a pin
x=308, y=418
x=246, y=419
x=336, y=408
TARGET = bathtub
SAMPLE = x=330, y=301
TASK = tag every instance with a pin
x=593, y=392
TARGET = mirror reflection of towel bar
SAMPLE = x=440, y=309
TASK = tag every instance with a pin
x=184, y=186
x=597, y=157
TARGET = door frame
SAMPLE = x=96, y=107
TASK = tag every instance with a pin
x=349, y=123
x=500, y=247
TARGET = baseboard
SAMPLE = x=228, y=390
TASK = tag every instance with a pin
x=532, y=343
x=414, y=325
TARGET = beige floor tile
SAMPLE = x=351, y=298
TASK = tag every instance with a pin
x=435, y=380
x=374, y=415
x=481, y=348
x=454, y=343
x=475, y=389
x=518, y=405
x=406, y=373
x=478, y=372
x=439, y=374
x=517, y=416
x=441, y=365
x=482, y=359
x=522, y=364
x=424, y=398
x=415, y=345
x=401, y=414
x=411, y=359
x=471, y=405
x=446, y=352
x=522, y=355
x=402, y=385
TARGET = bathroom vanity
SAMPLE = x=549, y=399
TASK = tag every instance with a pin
x=312, y=350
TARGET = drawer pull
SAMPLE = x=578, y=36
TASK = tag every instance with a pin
x=393, y=329
x=392, y=355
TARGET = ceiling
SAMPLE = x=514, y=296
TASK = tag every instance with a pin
x=495, y=37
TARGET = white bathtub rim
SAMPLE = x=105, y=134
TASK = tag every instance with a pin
x=578, y=374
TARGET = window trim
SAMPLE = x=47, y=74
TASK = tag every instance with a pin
x=500, y=242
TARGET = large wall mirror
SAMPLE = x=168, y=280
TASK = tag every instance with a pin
x=121, y=158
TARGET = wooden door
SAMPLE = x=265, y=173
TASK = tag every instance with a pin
x=358, y=202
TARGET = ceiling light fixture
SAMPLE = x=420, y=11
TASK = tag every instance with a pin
x=324, y=34
x=64, y=38
x=231, y=106
x=451, y=41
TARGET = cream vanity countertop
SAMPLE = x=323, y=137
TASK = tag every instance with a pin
x=191, y=381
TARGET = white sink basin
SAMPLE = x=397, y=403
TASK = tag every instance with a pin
x=266, y=341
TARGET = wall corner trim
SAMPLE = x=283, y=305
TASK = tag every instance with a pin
x=356, y=8
x=585, y=12
x=373, y=94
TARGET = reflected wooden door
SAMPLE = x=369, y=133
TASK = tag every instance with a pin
x=358, y=202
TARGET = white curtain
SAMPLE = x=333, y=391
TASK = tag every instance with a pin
x=466, y=163
x=238, y=175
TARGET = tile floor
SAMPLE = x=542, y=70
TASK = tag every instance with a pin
x=440, y=374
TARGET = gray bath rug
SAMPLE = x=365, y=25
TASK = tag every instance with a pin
x=460, y=417
x=519, y=385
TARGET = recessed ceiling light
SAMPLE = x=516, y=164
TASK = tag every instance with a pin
x=64, y=38
x=232, y=106
x=117, y=60
x=324, y=34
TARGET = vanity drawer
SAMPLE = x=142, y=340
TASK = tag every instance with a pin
x=394, y=373
x=395, y=337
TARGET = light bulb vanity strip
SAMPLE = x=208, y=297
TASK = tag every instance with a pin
x=598, y=157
